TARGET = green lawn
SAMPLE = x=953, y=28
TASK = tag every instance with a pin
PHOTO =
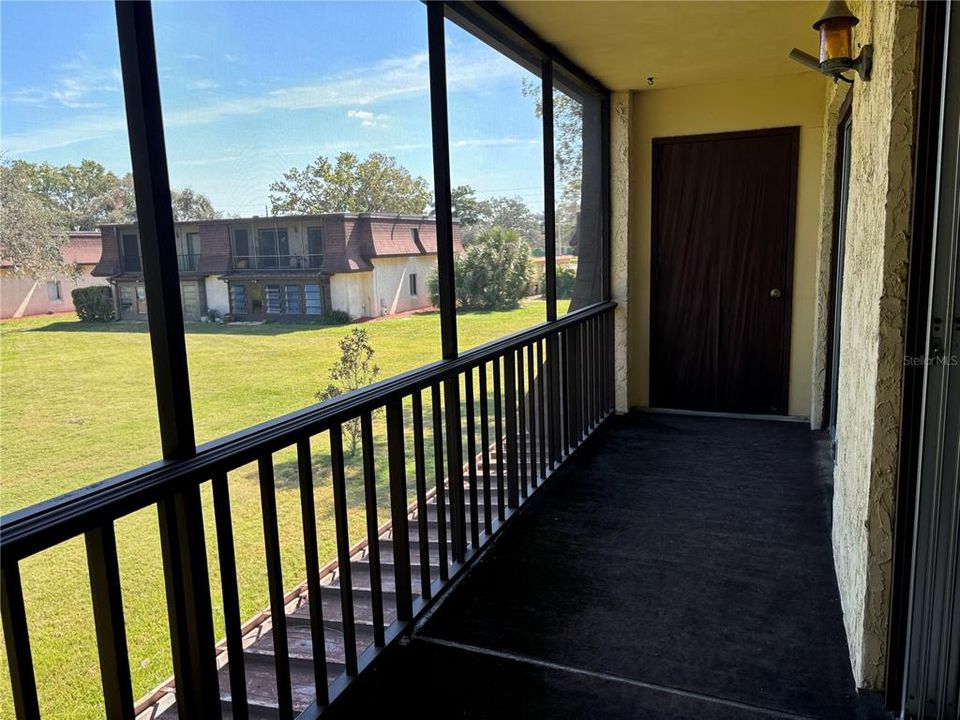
x=77, y=405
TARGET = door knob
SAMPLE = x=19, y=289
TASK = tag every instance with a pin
x=775, y=293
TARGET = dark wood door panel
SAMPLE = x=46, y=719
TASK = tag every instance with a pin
x=722, y=264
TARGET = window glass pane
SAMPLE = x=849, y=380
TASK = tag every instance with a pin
x=496, y=167
x=312, y=301
x=238, y=299
x=315, y=247
x=77, y=404
x=577, y=168
x=313, y=154
x=292, y=300
x=273, y=299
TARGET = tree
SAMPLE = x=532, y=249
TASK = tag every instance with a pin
x=513, y=213
x=88, y=195
x=501, y=211
x=32, y=230
x=466, y=207
x=354, y=370
x=493, y=273
x=191, y=205
x=578, y=177
x=377, y=184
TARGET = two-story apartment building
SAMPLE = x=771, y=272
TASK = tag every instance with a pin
x=291, y=267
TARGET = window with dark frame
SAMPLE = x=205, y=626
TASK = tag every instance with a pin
x=315, y=247
x=130, y=245
x=413, y=284
x=241, y=249
x=53, y=291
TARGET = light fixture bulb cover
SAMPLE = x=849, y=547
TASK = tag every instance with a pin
x=836, y=10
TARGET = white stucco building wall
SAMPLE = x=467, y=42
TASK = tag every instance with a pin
x=218, y=295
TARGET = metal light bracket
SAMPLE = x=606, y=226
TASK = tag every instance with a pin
x=863, y=65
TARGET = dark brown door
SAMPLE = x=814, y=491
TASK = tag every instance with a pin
x=723, y=223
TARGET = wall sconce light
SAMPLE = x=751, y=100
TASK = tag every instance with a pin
x=836, y=45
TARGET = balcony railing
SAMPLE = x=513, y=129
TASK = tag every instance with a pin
x=277, y=262
x=532, y=398
x=188, y=261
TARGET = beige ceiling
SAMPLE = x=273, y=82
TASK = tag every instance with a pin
x=678, y=43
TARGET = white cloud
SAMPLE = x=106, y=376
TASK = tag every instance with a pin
x=203, y=85
x=79, y=86
x=362, y=86
x=367, y=118
x=230, y=57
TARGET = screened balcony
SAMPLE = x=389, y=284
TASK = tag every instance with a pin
x=628, y=490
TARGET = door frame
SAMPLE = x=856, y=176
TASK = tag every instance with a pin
x=835, y=288
x=793, y=132
x=926, y=145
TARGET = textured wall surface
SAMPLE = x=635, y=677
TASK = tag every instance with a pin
x=738, y=105
x=836, y=93
x=620, y=238
x=874, y=292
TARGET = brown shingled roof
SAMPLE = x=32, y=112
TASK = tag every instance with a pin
x=82, y=247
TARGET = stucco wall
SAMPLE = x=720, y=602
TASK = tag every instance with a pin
x=391, y=283
x=620, y=105
x=835, y=99
x=25, y=296
x=218, y=294
x=353, y=293
x=790, y=100
x=871, y=345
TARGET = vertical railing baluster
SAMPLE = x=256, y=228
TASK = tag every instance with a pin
x=278, y=615
x=458, y=522
x=189, y=610
x=397, y=464
x=576, y=392
x=522, y=421
x=440, y=482
x=533, y=400
x=17, y=639
x=485, y=448
x=553, y=394
x=421, y=483
x=230, y=593
x=542, y=410
x=105, y=591
x=510, y=388
x=611, y=363
x=372, y=525
x=590, y=350
x=342, y=532
x=311, y=553
x=472, y=457
x=565, y=403
x=498, y=432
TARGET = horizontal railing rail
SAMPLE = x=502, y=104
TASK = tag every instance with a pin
x=466, y=442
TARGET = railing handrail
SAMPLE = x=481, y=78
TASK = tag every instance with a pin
x=45, y=524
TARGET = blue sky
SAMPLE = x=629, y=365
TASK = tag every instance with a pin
x=252, y=89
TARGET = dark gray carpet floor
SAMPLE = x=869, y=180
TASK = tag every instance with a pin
x=680, y=553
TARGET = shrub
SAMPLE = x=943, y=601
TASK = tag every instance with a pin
x=354, y=370
x=566, y=279
x=336, y=317
x=93, y=304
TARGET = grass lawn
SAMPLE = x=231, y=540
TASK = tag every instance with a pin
x=77, y=405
